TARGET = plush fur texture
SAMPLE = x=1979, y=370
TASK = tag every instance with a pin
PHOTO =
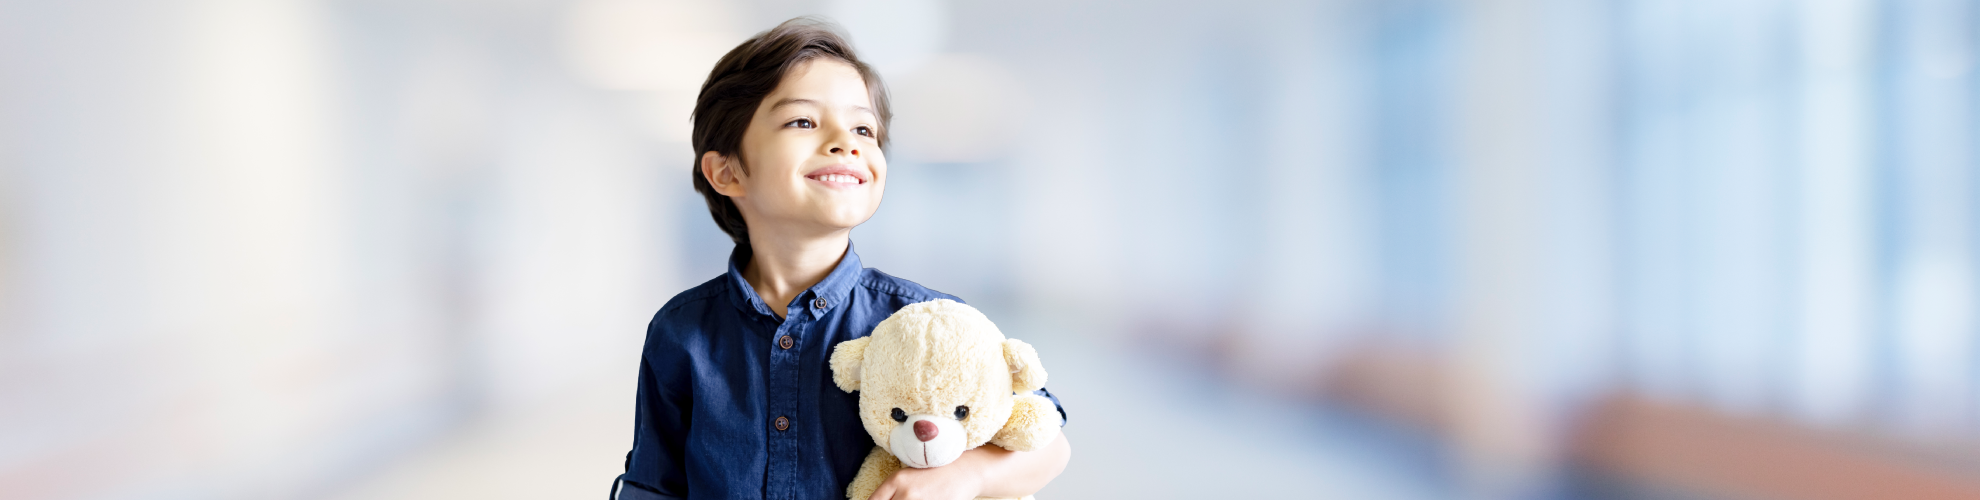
x=927, y=360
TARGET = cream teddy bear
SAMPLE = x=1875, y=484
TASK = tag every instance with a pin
x=936, y=379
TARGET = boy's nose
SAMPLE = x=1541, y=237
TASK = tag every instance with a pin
x=837, y=150
x=925, y=430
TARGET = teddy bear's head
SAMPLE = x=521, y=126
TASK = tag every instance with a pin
x=935, y=379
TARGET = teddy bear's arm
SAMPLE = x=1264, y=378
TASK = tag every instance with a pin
x=1033, y=424
x=879, y=466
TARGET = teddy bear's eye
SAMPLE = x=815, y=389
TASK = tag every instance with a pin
x=900, y=416
x=962, y=412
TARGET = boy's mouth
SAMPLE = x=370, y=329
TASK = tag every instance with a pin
x=841, y=176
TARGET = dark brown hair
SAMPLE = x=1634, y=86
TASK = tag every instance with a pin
x=738, y=85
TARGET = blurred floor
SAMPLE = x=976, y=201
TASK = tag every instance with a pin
x=1140, y=429
x=570, y=447
x=1144, y=427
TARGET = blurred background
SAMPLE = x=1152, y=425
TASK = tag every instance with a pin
x=1466, y=249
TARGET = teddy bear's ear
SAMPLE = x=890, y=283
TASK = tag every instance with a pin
x=846, y=361
x=1026, y=374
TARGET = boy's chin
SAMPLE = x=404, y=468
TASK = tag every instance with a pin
x=842, y=220
x=846, y=215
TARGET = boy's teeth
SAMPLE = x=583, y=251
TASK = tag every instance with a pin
x=837, y=178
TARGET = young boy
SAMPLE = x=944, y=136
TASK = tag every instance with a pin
x=735, y=400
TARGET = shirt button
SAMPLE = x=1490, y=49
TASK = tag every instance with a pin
x=783, y=423
x=819, y=303
x=786, y=342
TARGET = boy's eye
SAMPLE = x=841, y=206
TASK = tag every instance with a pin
x=863, y=130
x=801, y=123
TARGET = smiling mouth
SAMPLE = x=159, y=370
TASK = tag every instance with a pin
x=838, y=178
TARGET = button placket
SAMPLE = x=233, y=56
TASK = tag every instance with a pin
x=782, y=445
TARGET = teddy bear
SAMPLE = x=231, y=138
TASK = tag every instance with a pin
x=936, y=379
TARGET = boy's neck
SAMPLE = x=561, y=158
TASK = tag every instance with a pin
x=781, y=268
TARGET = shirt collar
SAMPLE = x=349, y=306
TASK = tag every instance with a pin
x=835, y=288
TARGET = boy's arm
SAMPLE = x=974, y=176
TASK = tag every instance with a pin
x=989, y=471
x=662, y=415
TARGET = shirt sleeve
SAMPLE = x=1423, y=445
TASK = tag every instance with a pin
x=626, y=490
x=1055, y=404
x=661, y=418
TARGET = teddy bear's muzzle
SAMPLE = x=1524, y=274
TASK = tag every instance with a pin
x=924, y=441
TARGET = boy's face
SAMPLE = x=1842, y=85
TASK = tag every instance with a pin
x=813, y=153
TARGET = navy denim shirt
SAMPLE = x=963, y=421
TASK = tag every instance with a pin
x=736, y=403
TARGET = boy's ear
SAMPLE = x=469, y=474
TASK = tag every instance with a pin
x=1026, y=374
x=723, y=173
x=846, y=361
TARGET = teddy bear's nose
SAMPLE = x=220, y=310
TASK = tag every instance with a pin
x=925, y=430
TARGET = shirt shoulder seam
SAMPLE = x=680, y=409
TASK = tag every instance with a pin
x=693, y=295
x=889, y=284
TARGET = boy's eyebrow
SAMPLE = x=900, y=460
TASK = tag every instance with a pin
x=792, y=101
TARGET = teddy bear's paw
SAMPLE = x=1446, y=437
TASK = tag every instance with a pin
x=1033, y=424
x=879, y=466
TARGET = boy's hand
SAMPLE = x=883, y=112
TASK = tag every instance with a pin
x=960, y=480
